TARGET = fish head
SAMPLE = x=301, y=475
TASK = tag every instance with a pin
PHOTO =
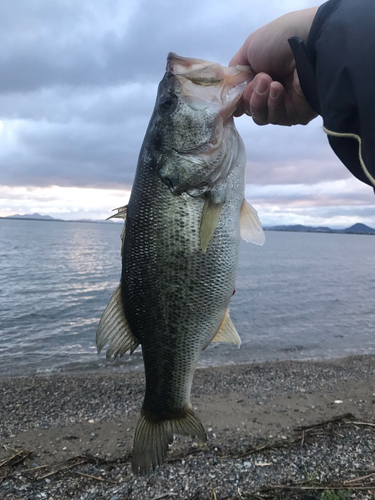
x=193, y=122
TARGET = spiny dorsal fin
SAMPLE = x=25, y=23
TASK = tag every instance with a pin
x=151, y=439
x=114, y=328
x=227, y=332
x=121, y=213
x=250, y=225
x=210, y=217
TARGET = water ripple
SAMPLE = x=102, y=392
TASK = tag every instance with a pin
x=301, y=296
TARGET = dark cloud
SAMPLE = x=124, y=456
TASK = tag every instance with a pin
x=81, y=43
x=112, y=104
x=73, y=154
x=79, y=79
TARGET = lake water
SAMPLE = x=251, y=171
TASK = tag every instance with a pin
x=300, y=296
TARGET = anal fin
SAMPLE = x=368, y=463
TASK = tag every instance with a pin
x=114, y=328
x=227, y=332
x=250, y=225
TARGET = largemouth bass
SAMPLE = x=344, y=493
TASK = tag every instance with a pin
x=180, y=246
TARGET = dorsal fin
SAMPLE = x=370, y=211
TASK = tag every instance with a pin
x=250, y=225
x=114, y=328
x=209, y=220
x=121, y=213
x=227, y=332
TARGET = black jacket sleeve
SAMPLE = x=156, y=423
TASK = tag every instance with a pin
x=336, y=68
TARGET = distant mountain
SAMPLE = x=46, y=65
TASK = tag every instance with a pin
x=360, y=228
x=355, y=229
x=299, y=228
x=37, y=216
x=31, y=216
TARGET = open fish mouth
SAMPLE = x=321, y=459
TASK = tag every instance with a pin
x=205, y=83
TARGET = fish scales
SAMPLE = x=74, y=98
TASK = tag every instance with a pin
x=181, y=246
x=171, y=286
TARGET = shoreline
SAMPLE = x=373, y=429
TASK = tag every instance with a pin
x=59, y=417
x=121, y=369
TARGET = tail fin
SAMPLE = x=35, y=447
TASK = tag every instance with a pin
x=151, y=440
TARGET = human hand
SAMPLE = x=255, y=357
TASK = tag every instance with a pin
x=275, y=95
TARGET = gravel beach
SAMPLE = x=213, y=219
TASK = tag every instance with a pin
x=283, y=430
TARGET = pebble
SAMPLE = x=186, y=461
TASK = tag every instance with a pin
x=197, y=475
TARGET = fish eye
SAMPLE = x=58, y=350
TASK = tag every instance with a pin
x=167, y=102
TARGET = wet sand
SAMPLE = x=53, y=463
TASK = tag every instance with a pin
x=61, y=417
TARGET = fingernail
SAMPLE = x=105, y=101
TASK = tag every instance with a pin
x=261, y=87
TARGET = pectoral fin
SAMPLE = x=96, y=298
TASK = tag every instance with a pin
x=209, y=220
x=227, y=332
x=250, y=225
x=114, y=328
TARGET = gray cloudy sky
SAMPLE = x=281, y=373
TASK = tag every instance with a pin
x=77, y=87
